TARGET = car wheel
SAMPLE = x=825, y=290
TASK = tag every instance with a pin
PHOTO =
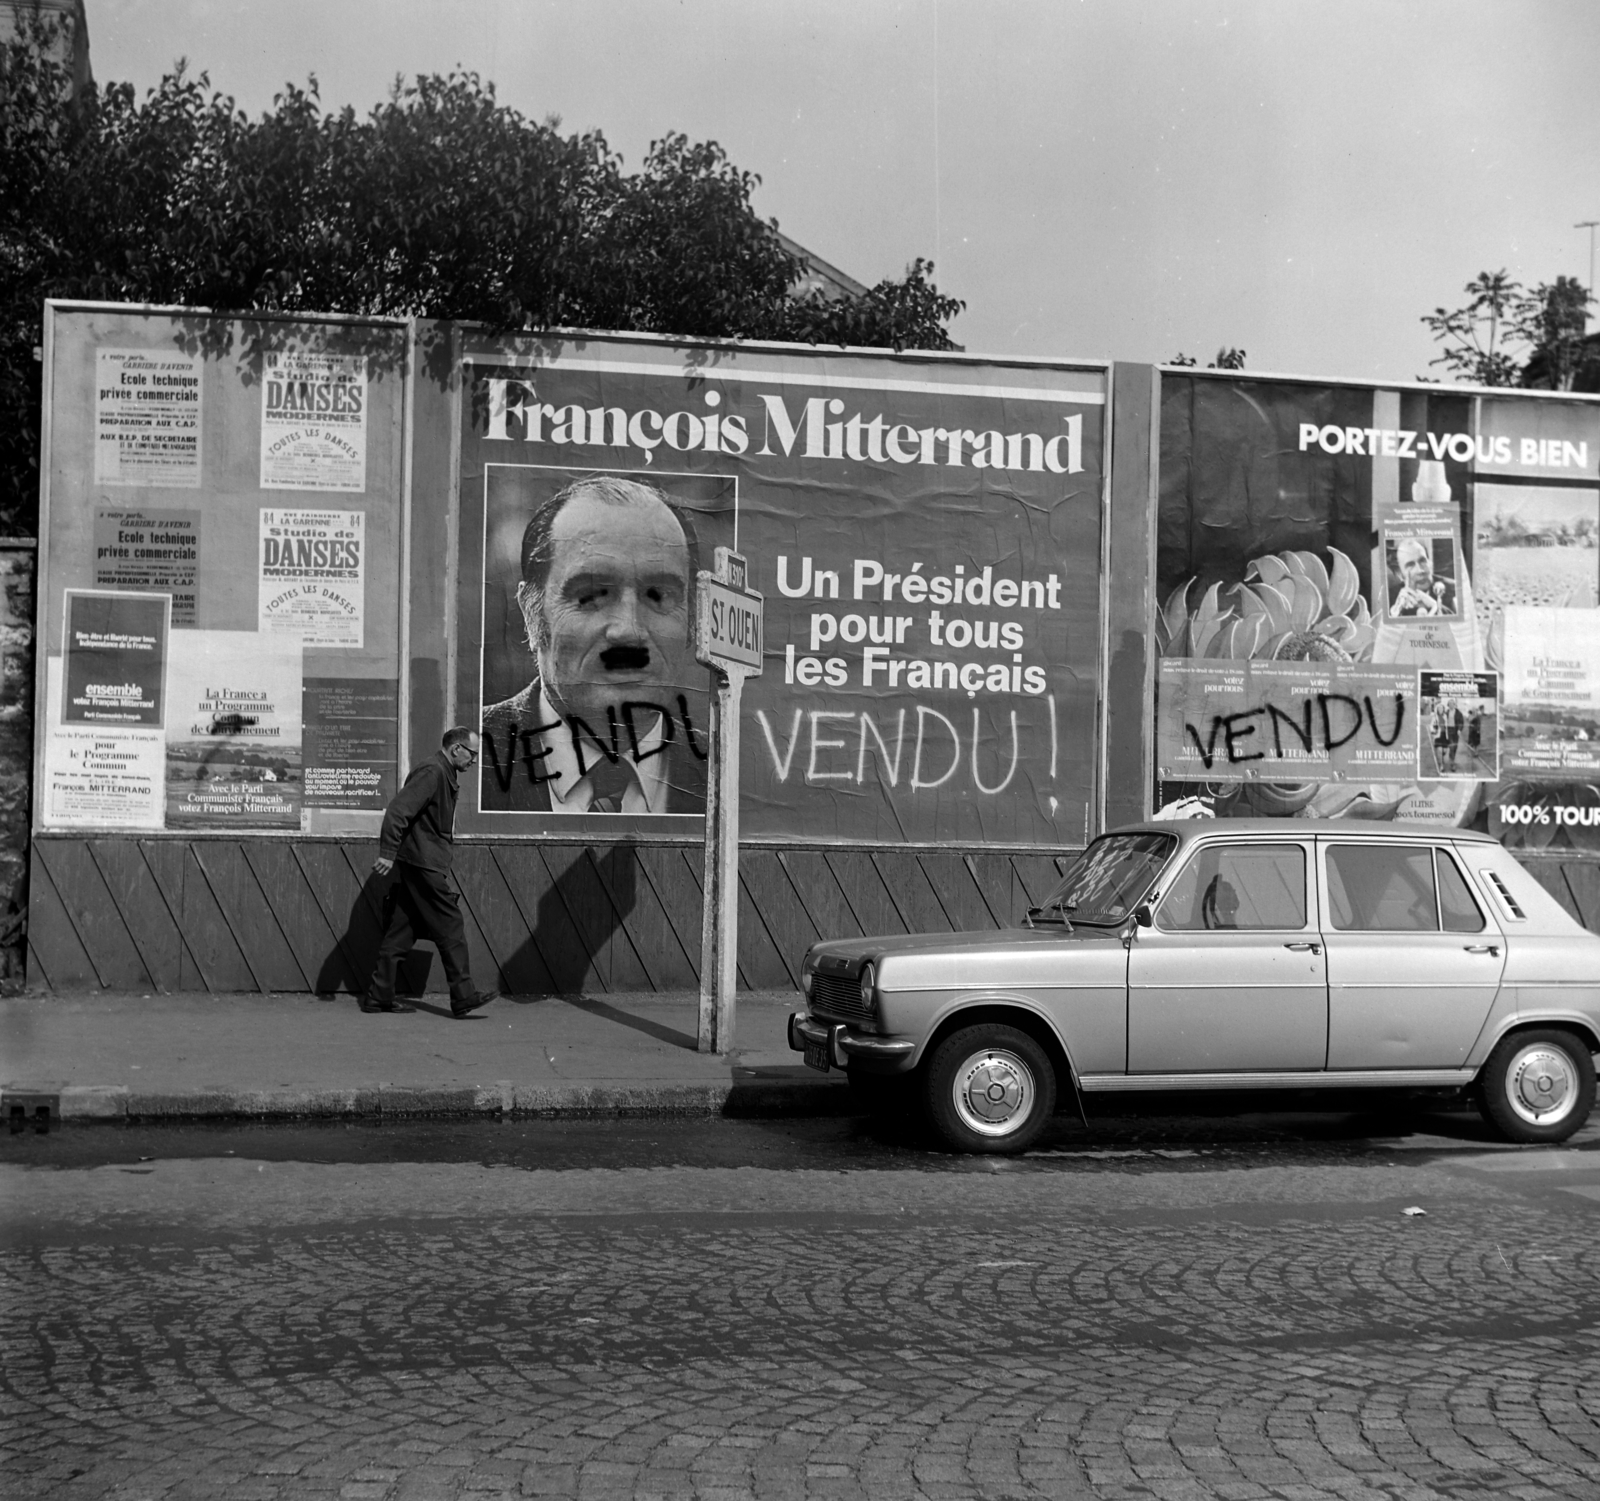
x=990, y=1088
x=1538, y=1086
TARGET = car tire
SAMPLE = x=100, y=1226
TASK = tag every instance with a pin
x=990, y=1088
x=1538, y=1085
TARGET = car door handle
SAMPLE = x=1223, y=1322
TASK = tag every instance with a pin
x=1305, y=948
x=1482, y=948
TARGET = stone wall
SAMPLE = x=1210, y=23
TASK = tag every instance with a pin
x=17, y=559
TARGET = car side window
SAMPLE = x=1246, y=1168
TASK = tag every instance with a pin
x=1382, y=888
x=1460, y=913
x=1238, y=887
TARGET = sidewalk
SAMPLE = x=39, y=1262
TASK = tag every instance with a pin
x=111, y=1057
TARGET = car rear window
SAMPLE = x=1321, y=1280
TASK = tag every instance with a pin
x=1399, y=889
x=1238, y=887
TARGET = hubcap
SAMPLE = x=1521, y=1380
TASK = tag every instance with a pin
x=994, y=1092
x=1541, y=1084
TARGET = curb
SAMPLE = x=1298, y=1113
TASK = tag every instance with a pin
x=116, y=1102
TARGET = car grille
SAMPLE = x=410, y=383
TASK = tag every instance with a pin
x=839, y=997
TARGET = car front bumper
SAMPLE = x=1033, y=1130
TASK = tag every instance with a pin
x=832, y=1044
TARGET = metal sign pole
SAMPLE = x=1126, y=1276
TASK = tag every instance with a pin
x=728, y=639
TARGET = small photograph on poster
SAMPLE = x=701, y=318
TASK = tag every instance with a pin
x=234, y=757
x=1422, y=565
x=147, y=418
x=150, y=551
x=351, y=742
x=1458, y=726
x=312, y=576
x=114, y=651
x=314, y=422
x=1552, y=693
x=1536, y=545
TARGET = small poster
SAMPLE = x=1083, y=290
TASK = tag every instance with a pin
x=1458, y=734
x=1552, y=690
x=147, y=418
x=351, y=742
x=314, y=422
x=104, y=779
x=114, y=658
x=151, y=551
x=234, y=732
x=313, y=567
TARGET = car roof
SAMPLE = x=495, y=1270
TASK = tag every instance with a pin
x=1190, y=829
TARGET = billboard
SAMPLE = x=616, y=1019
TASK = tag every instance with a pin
x=1378, y=603
x=217, y=654
x=926, y=533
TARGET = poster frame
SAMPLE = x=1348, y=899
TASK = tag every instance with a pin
x=475, y=345
x=1474, y=392
x=55, y=306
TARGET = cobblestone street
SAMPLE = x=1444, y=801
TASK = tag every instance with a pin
x=1181, y=1321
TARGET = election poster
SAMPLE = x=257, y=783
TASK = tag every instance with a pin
x=150, y=550
x=311, y=584
x=927, y=539
x=314, y=421
x=1311, y=534
x=351, y=742
x=234, y=754
x=147, y=410
x=114, y=658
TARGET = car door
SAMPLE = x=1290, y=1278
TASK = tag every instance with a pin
x=1414, y=959
x=1230, y=977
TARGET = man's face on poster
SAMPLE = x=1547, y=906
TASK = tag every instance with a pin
x=1416, y=567
x=612, y=622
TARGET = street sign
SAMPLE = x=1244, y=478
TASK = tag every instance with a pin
x=729, y=631
x=729, y=618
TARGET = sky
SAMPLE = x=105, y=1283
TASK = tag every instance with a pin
x=1124, y=179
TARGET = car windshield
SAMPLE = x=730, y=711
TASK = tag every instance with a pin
x=1107, y=880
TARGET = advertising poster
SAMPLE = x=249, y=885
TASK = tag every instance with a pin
x=1337, y=529
x=927, y=541
x=312, y=576
x=1458, y=726
x=314, y=422
x=351, y=742
x=114, y=658
x=147, y=407
x=234, y=756
x=1552, y=715
x=150, y=551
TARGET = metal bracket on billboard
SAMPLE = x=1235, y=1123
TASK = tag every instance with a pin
x=728, y=638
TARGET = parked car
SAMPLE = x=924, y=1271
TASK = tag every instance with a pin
x=1231, y=955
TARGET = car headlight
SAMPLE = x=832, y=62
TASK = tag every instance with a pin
x=806, y=973
x=869, y=985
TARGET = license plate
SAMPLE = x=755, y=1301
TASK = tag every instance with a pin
x=816, y=1055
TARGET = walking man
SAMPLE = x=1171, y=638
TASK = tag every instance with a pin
x=417, y=843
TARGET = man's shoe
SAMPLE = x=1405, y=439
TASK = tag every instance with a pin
x=483, y=997
x=370, y=1002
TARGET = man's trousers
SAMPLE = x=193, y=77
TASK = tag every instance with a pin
x=420, y=904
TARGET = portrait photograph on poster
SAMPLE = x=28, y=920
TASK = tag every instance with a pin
x=1422, y=572
x=1458, y=726
x=593, y=701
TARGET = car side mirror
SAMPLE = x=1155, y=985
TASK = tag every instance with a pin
x=1143, y=916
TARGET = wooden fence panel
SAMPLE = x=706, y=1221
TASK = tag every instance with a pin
x=101, y=928
x=152, y=925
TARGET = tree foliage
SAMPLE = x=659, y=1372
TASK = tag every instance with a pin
x=1506, y=334
x=440, y=202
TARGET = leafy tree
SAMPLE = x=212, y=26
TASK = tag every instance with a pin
x=1228, y=358
x=440, y=202
x=1508, y=335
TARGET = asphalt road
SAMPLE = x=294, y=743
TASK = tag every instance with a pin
x=1230, y=1306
